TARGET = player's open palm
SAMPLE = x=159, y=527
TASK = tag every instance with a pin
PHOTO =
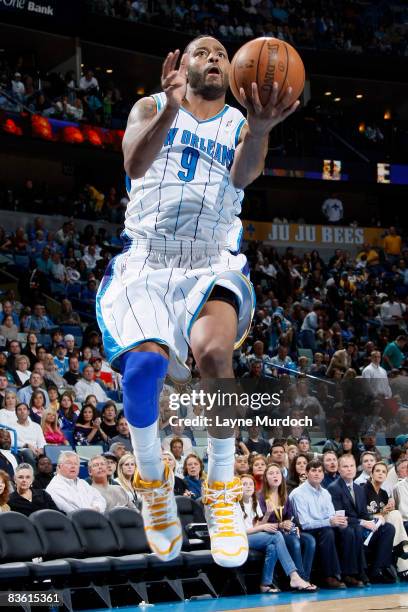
x=263, y=118
x=174, y=82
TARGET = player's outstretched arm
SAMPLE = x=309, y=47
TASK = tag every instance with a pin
x=251, y=152
x=147, y=129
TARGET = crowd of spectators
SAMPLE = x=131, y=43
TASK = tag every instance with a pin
x=331, y=333
x=355, y=27
x=94, y=99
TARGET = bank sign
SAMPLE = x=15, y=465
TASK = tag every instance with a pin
x=45, y=8
x=293, y=233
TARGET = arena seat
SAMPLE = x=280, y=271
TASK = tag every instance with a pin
x=87, y=452
x=52, y=451
x=19, y=542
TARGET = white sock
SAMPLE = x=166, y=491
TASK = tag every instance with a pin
x=221, y=458
x=147, y=450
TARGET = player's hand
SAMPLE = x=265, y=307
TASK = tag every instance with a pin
x=174, y=82
x=262, y=119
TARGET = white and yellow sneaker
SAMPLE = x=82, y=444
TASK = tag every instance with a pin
x=159, y=512
x=229, y=542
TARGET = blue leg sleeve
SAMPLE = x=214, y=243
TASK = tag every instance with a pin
x=143, y=377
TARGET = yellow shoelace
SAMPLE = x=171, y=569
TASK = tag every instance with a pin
x=222, y=502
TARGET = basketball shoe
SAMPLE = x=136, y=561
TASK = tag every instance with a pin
x=159, y=512
x=229, y=542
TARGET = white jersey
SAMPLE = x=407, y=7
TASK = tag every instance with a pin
x=187, y=194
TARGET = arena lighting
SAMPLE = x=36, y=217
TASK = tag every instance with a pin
x=109, y=71
x=140, y=90
x=337, y=99
x=387, y=114
x=361, y=127
x=327, y=93
x=359, y=96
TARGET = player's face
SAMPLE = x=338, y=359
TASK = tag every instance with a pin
x=208, y=68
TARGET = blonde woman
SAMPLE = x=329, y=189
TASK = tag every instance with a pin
x=52, y=432
x=126, y=472
x=8, y=413
x=23, y=372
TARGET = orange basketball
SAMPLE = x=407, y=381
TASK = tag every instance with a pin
x=263, y=61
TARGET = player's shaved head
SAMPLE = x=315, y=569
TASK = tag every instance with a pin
x=201, y=40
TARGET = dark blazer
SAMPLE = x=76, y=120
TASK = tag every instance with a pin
x=342, y=500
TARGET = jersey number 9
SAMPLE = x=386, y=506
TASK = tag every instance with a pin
x=189, y=159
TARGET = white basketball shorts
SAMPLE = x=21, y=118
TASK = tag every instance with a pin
x=154, y=293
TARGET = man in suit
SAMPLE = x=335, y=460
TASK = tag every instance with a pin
x=348, y=496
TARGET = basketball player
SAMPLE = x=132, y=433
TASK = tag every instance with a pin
x=180, y=280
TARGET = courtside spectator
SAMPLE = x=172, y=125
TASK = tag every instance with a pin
x=350, y=498
x=125, y=478
x=278, y=456
x=241, y=465
x=297, y=471
x=367, y=460
x=26, y=499
x=45, y=473
x=114, y=496
x=70, y=492
x=52, y=432
x=316, y=515
x=22, y=372
x=193, y=475
x=330, y=465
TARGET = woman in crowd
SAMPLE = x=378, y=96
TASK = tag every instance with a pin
x=67, y=416
x=8, y=329
x=4, y=491
x=126, y=472
x=30, y=349
x=88, y=429
x=22, y=372
x=291, y=453
x=276, y=508
x=8, y=412
x=297, y=472
x=257, y=466
x=108, y=416
x=179, y=484
x=25, y=499
x=53, y=396
x=349, y=447
x=368, y=459
x=380, y=505
x=91, y=400
x=37, y=406
x=265, y=536
x=193, y=475
x=86, y=356
x=52, y=432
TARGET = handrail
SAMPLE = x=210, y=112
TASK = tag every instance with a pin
x=15, y=101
